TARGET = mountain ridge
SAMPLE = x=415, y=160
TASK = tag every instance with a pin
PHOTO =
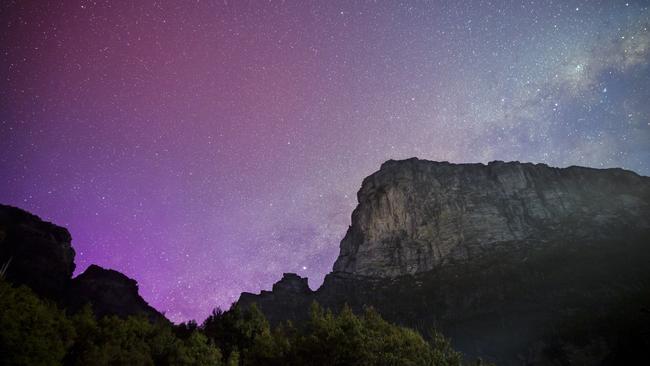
x=532, y=264
x=474, y=249
x=40, y=255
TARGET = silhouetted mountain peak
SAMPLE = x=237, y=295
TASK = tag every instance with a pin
x=291, y=282
x=39, y=255
x=110, y=293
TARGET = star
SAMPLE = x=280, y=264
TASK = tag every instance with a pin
x=233, y=137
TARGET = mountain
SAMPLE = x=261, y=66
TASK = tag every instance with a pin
x=110, y=292
x=518, y=263
x=39, y=255
x=43, y=325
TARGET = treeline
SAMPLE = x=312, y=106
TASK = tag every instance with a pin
x=34, y=331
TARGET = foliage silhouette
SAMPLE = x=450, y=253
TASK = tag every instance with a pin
x=37, y=332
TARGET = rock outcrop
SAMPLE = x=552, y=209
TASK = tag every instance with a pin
x=517, y=263
x=109, y=292
x=291, y=283
x=39, y=255
x=415, y=215
x=289, y=298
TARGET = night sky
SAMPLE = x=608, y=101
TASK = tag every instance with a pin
x=205, y=147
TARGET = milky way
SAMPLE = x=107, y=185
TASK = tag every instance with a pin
x=203, y=148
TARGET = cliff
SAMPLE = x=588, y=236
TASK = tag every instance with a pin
x=516, y=262
x=415, y=215
x=39, y=255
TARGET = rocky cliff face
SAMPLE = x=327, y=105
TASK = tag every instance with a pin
x=39, y=254
x=518, y=263
x=415, y=215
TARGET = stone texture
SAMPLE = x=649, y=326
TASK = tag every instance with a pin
x=518, y=263
x=414, y=215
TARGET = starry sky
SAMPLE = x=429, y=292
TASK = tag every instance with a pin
x=206, y=147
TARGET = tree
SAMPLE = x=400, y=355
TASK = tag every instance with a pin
x=197, y=350
x=236, y=329
x=32, y=331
